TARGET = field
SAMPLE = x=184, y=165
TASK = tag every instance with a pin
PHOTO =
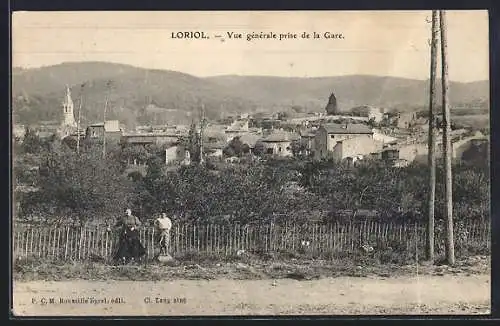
x=260, y=288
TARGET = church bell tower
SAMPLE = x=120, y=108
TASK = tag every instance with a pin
x=68, y=115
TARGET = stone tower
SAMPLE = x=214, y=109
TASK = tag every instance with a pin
x=69, y=117
x=331, y=107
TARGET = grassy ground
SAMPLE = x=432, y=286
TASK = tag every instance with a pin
x=245, y=267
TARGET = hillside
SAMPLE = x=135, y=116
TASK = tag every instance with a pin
x=351, y=91
x=176, y=97
x=37, y=93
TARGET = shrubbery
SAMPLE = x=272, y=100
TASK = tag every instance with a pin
x=89, y=187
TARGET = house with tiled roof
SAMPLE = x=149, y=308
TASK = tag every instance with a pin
x=329, y=134
x=279, y=143
x=353, y=149
x=109, y=129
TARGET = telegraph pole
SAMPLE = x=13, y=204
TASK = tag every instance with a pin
x=79, y=119
x=202, y=125
x=450, y=246
x=104, y=125
x=432, y=143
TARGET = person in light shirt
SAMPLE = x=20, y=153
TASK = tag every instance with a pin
x=163, y=225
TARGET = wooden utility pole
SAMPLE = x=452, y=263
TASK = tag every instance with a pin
x=78, y=122
x=79, y=119
x=432, y=142
x=450, y=246
x=104, y=125
x=202, y=125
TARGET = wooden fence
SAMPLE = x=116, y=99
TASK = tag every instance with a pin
x=80, y=243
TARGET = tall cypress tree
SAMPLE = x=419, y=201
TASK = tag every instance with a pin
x=331, y=107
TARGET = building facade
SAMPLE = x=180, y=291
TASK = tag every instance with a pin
x=328, y=135
x=279, y=143
x=96, y=132
x=175, y=155
x=355, y=148
x=375, y=114
x=406, y=120
x=307, y=140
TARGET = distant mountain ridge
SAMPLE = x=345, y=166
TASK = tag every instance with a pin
x=38, y=92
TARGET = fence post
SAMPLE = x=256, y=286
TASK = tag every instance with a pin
x=58, y=241
x=406, y=237
x=66, y=243
x=15, y=243
x=49, y=243
x=31, y=242
x=41, y=243
x=209, y=238
x=80, y=243
x=351, y=235
x=24, y=245
x=106, y=253
x=273, y=237
x=236, y=236
x=216, y=238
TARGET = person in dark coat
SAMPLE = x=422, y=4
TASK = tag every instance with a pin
x=129, y=245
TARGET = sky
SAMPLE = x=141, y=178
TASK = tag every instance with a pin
x=387, y=43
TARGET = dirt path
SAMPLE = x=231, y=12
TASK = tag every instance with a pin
x=343, y=295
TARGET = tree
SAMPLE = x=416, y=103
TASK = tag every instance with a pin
x=367, y=186
x=298, y=148
x=134, y=153
x=236, y=148
x=152, y=189
x=192, y=143
x=372, y=123
x=31, y=142
x=283, y=115
x=228, y=151
x=258, y=148
x=85, y=187
x=331, y=107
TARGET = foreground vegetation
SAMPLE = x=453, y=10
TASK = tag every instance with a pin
x=87, y=187
x=84, y=188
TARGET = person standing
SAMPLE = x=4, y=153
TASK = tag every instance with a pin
x=129, y=245
x=163, y=225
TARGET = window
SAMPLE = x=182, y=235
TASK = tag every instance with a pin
x=279, y=149
x=332, y=136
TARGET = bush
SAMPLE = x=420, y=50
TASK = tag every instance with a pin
x=278, y=190
x=85, y=186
